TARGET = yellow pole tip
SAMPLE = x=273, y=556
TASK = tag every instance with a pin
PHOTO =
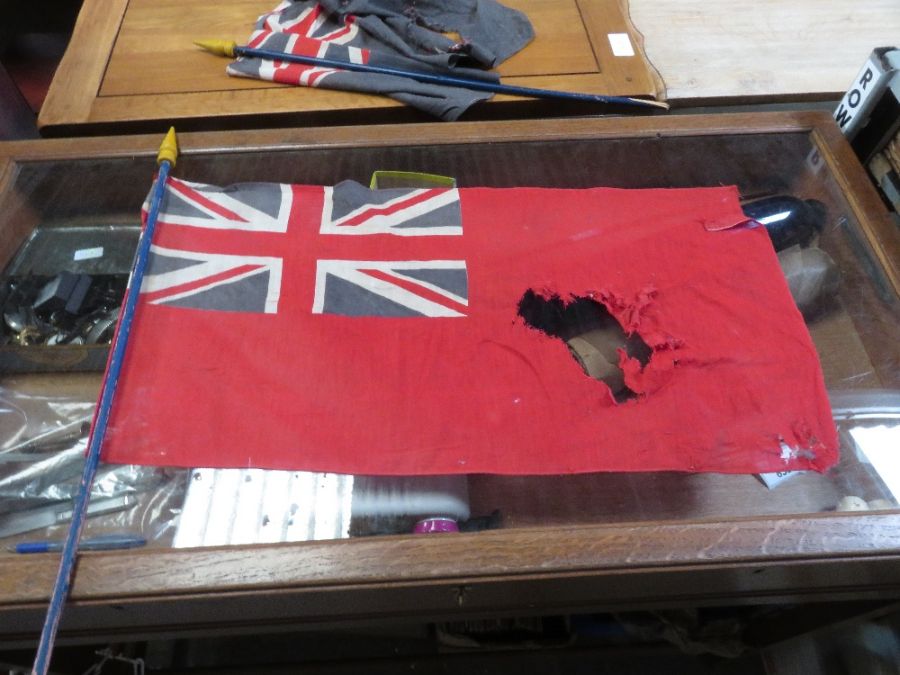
x=218, y=47
x=168, y=150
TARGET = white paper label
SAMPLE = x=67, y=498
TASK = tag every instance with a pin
x=814, y=161
x=776, y=478
x=621, y=44
x=88, y=253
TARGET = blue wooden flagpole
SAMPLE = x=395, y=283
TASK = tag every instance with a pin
x=232, y=49
x=168, y=153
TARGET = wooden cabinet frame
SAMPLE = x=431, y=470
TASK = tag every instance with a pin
x=791, y=558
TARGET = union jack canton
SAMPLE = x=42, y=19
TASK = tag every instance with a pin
x=193, y=268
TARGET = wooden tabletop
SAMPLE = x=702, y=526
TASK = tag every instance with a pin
x=581, y=543
x=131, y=64
x=770, y=49
x=134, y=61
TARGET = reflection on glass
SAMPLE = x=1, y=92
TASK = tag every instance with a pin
x=856, y=327
x=881, y=447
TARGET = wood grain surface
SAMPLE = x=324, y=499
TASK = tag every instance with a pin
x=491, y=554
x=321, y=584
x=77, y=80
x=139, y=64
x=164, y=33
x=762, y=48
x=133, y=61
x=608, y=541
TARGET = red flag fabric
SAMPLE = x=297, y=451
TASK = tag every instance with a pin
x=376, y=332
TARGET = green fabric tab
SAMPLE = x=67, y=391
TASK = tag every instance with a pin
x=409, y=179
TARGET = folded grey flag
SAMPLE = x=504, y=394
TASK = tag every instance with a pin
x=406, y=34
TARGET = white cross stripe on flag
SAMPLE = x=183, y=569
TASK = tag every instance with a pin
x=314, y=76
x=391, y=288
x=339, y=36
x=354, y=54
x=276, y=23
x=396, y=216
x=321, y=17
x=260, y=207
x=195, y=280
x=275, y=20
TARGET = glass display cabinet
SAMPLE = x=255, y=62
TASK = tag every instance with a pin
x=551, y=543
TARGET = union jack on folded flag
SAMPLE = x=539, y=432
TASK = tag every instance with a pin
x=388, y=34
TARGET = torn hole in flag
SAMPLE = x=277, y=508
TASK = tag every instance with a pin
x=595, y=339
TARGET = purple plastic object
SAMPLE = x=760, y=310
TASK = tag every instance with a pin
x=436, y=525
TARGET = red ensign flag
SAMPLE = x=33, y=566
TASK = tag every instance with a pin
x=377, y=332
